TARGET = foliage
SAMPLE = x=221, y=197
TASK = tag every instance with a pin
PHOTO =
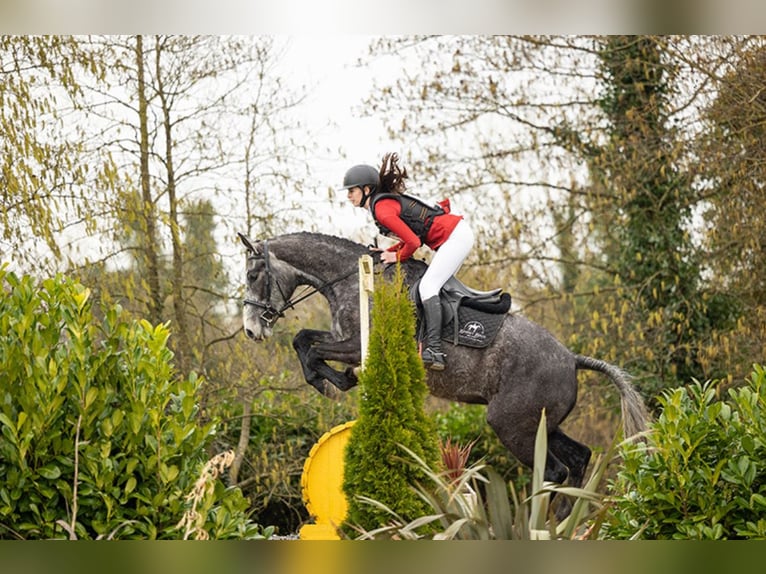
x=587, y=175
x=118, y=178
x=41, y=168
x=287, y=419
x=701, y=473
x=391, y=413
x=474, y=505
x=269, y=415
x=203, y=501
x=99, y=438
x=467, y=424
x=454, y=457
x=637, y=171
x=732, y=173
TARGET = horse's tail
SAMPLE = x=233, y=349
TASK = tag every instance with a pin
x=635, y=415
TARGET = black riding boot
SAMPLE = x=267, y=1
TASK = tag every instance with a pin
x=432, y=355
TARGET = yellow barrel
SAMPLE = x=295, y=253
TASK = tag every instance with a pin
x=322, y=484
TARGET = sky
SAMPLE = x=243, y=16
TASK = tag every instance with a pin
x=334, y=111
x=336, y=90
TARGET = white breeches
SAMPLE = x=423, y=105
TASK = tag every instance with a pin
x=446, y=260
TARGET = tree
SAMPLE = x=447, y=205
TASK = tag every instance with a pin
x=43, y=178
x=147, y=212
x=581, y=152
x=391, y=415
x=205, y=276
x=648, y=203
x=176, y=113
x=731, y=178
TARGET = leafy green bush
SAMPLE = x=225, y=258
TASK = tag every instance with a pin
x=391, y=415
x=701, y=475
x=99, y=439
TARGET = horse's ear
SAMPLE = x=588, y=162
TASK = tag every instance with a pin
x=246, y=242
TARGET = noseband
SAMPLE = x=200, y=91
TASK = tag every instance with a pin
x=270, y=313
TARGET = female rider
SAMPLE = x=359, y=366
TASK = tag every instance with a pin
x=414, y=223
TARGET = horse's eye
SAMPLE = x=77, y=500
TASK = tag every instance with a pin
x=255, y=272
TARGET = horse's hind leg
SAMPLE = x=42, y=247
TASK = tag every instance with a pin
x=573, y=454
x=517, y=430
x=576, y=457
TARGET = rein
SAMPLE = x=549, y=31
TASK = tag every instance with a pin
x=270, y=313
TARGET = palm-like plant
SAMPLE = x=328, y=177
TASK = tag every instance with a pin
x=461, y=511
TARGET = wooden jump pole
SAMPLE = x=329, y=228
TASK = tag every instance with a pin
x=365, y=291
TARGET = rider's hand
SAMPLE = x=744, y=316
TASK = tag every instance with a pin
x=388, y=257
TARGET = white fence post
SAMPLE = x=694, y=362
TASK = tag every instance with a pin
x=365, y=291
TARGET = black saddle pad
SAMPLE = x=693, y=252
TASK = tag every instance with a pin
x=473, y=328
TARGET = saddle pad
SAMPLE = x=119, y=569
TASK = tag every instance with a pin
x=474, y=328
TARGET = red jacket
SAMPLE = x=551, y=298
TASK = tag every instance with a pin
x=387, y=213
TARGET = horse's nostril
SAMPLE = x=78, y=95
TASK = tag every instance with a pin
x=249, y=333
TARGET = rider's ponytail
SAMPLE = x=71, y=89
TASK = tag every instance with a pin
x=392, y=176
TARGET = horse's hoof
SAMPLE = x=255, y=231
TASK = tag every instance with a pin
x=563, y=508
x=322, y=387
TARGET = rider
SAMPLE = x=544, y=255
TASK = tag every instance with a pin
x=414, y=224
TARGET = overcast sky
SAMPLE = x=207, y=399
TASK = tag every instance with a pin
x=337, y=88
x=333, y=110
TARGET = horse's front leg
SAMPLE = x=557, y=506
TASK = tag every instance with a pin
x=315, y=347
x=348, y=352
x=302, y=344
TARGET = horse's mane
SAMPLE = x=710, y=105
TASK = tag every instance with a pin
x=306, y=242
x=305, y=245
x=339, y=243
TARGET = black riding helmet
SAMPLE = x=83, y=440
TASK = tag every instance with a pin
x=360, y=176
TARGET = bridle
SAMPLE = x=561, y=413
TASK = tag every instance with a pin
x=270, y=313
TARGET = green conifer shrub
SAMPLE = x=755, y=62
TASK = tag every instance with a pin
x=391, y=416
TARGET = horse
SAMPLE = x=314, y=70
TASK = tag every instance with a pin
x=524, y=371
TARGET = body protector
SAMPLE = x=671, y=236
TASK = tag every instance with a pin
x=416, y=213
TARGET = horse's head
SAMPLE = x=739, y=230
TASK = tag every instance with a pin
x=266, y=296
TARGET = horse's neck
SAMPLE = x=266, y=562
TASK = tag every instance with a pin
x=316, y=259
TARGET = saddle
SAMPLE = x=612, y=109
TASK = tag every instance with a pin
x=469, y=317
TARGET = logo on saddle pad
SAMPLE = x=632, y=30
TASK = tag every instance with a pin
x=473, y=331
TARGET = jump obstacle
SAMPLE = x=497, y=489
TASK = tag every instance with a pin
x=322, y=477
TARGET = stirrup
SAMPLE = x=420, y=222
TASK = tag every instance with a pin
x=433, y=360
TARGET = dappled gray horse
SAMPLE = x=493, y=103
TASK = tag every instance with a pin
x=524, y=370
